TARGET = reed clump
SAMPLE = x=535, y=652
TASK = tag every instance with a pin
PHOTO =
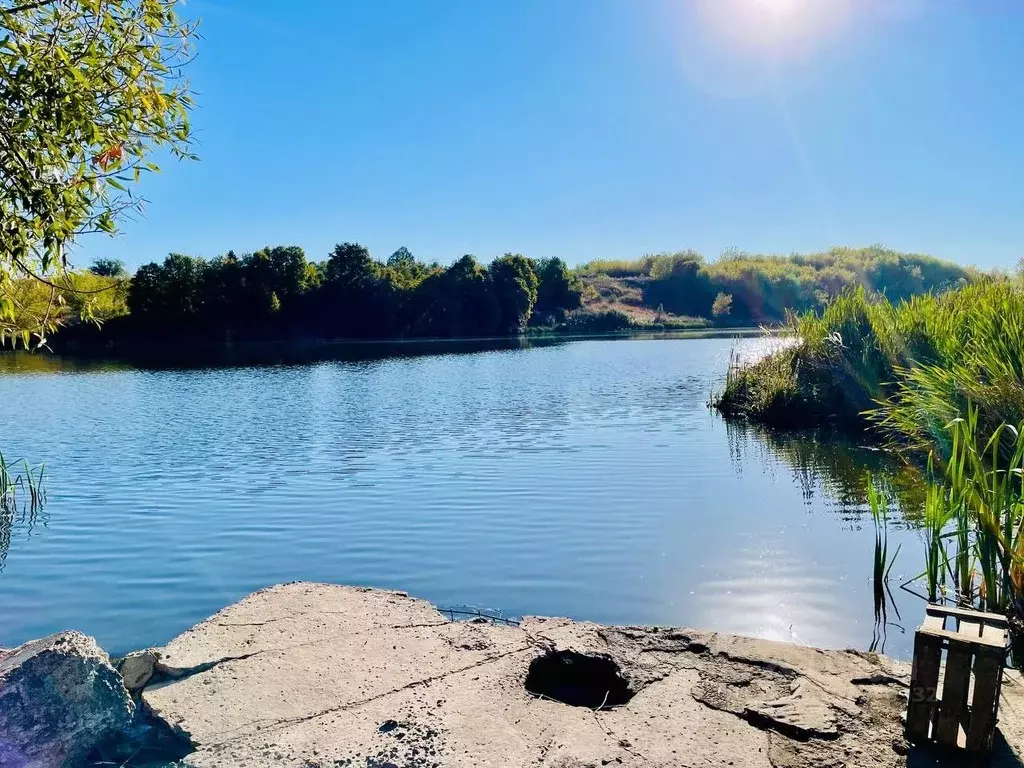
x=21, y=486
x=973, y=522
x=903, y=370
x=974, y=518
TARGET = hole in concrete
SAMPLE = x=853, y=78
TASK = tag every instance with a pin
x=578, y=680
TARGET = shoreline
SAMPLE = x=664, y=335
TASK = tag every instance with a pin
x=318, y=675
x=531, y=334
x=167, y=354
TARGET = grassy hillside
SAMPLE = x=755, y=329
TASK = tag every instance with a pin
x=623, y=297
x=747, y=289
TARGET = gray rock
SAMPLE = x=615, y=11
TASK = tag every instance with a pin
x=59, y=698
x=137, y=669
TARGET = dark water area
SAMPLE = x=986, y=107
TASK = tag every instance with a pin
x=582, y=478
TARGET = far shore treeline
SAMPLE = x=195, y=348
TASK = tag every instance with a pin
x=278, y=294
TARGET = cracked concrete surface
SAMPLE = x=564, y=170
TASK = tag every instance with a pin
x=320, y=675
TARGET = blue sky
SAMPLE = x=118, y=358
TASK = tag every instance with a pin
x=597, y=129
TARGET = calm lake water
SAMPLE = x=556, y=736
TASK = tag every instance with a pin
x=584, y=479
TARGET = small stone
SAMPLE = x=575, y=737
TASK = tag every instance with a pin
x=137, y=669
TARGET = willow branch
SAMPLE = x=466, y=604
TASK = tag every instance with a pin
x=26, y=7
x=68, y=288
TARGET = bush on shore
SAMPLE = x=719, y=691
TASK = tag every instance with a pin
x=905, y=369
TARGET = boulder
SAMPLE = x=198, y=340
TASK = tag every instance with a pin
x=136, y=669
x=59, y=698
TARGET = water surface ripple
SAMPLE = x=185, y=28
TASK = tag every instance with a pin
x=584, y=479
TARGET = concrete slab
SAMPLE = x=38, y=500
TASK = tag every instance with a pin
x=321, y=675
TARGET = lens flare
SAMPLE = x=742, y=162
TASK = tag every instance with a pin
x=728, y=46
x=780, y=7
x=758, y=23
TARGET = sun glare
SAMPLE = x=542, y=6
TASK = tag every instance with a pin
x=728, y=43
x=794, y=24
x=780, y=7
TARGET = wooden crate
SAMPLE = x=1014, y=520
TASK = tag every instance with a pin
x=954, y=700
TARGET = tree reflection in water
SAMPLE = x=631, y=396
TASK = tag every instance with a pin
x=825, y=464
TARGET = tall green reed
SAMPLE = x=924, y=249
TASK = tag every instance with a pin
x=878, y=502
x=984, y=476
x=879, y=506
x=21, y=486
x=974, y=518
x=936, y=518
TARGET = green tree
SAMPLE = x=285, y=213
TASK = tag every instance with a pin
x=279, y=272
x=559, y=289
x=90, y=296
x=88, y=89
x=349, y=264
x=404, y=272
x=402, y=259
x=348, y=299
x=460, y=301
x=515, y=287
x=682, y=264
x=108, y=268
x=679, y=282
x=222, y=291
x=171, y=292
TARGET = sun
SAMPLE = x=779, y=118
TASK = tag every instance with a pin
x=780, y=7
x=729, y=42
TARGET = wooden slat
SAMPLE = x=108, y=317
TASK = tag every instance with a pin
x=995, y=634
x=954, y=693
x=970, y=628
x=965, y=725
x=924, y=682
x=945, y=634
x=993, y=619
x=988, y=668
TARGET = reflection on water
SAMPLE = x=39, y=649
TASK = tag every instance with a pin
x=22, y=499
x=884, y=604
x=197, y=356
x=788, y=584
x=24, y=519
x=825, y=464
x=585, y=479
